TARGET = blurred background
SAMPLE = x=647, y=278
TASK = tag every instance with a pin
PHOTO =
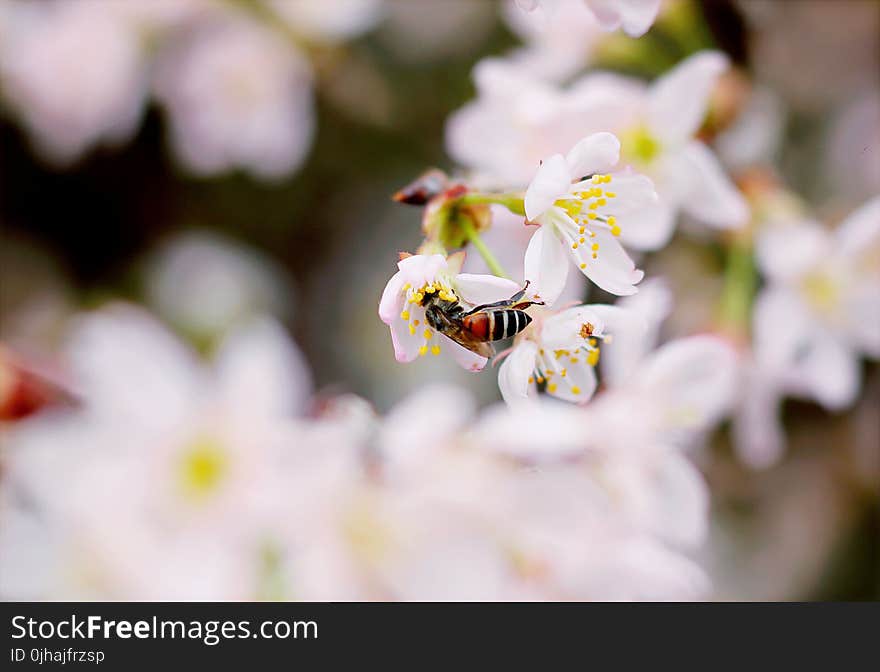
x=109, y=189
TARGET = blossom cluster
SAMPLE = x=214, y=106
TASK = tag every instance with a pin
x=144, y=466
x=171, y=479
x=234, y=80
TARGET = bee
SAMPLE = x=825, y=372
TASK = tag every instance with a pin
x=476, y=328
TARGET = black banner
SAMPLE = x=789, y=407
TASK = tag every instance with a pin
x=127, y=635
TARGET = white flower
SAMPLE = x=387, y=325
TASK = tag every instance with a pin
x=633, y=16
x=657, y=125
x=582, y=218
x=559, y=351
x=621, y=498
x=420, y=275
x=74, y=73
x=166, y=480
x=812, y=321
x=516, y=120
x=237, y=95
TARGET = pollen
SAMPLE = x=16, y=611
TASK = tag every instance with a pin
x=551, y=387
x=582, y=240
x=575, y=390
x=416, y=322
x=610, y=194
x=583, y=265
x=595, y=255
x=574, y=246
x=531, y=379
x=595, y=246
x=412, y=330
x=582, y=230
x=591, y=215
x=435, y=349
x=593, y=357
x=574, y=360
x=601, y=201
x=586, y=330
x=405, y=315
x=423, y=351
x=615, y=230
x=430, y=289
x=563, y=373
x=426, y=334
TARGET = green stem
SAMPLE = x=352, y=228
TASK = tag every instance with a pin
x=513, y=202
x=474, y=238
x=740, y=284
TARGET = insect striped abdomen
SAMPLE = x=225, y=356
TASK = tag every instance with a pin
x=497, y=324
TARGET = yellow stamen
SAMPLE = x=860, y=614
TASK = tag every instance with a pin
x=575, y=390
x=405, y=315
x=435, y=349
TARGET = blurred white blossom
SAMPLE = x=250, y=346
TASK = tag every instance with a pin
x=163, y=464
x=203, y=284
x=74, y=73
x=237, y=96
x=812, y=322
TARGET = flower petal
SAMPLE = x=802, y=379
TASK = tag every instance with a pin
x=694, y=379
x=709, y=196
x=787, y=251
x=758, y=437
x=477, y=289
x=829, y=372
x=612, y=270
x=649, y=228
x=515, y=371
x=633, y=193
x=462, y=356
x=677, y=102
x=261, y=372
x=391, y=303
x=562, y=331
x=546, y=267
x=597, y=153
x=861, y=229
x=679, y=500
x=551, y=181
x=634, y=16
x=578, y=384
x=406, y=345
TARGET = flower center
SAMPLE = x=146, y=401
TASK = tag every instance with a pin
x=639, y=146
x=587, y=209
x=550, y=367
x=203, y=466
x=821, y=291
x=414, y=312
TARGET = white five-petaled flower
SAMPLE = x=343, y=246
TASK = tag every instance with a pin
x=633, y=16
x=517, y=118
x=812, y=321
x=582, y=210
x=421, y=275
x=559, y=351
